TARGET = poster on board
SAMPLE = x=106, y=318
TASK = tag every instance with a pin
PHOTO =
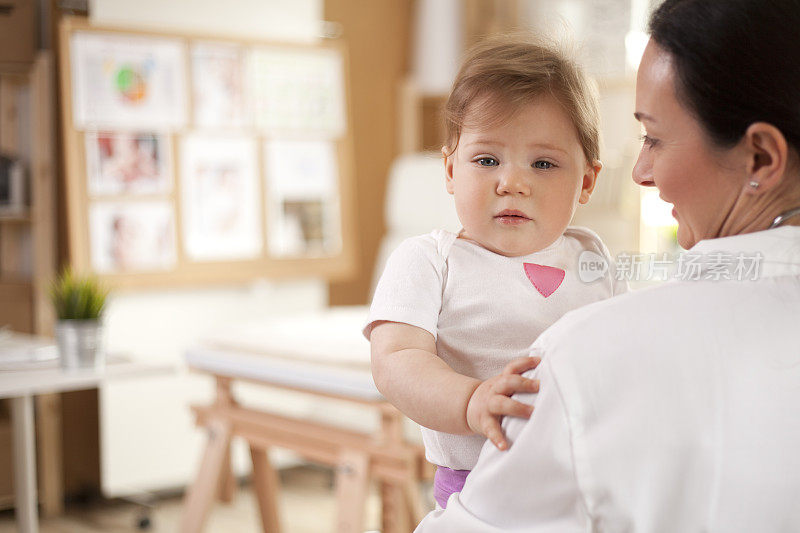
x=297, y=90
x=302, y=198
x=127, y=82
x=220, y=198
x=132, y=237
x=123, y=162
x=218, y=93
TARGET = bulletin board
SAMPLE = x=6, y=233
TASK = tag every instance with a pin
x=194, y=159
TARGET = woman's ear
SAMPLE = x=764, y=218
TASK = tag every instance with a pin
x=589, y=180
x=448, y=168
x=767, y=155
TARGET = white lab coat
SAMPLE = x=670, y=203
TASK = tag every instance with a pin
x=671, y=409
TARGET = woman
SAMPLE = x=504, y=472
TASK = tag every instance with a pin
x=677, y=408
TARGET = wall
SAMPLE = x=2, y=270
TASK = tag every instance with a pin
x=599, y=29
x=377, y=36
x=298, y=20
x=148, y=440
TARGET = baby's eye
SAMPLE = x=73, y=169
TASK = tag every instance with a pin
x=542, y=165
x=487, y=162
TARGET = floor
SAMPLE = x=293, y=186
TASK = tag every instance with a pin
x=307, y=506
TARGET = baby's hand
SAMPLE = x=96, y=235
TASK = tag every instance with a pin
x=491, y=400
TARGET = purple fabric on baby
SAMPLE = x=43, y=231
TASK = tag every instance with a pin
x=447, y=481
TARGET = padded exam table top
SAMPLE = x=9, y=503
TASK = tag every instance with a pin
x=321, y=352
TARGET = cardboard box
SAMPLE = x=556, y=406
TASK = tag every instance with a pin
x=17, y=31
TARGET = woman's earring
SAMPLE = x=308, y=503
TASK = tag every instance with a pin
x=754, y=184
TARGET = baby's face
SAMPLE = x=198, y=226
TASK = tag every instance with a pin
x=533, y=165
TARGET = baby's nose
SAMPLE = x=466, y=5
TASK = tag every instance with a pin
x=513, y=182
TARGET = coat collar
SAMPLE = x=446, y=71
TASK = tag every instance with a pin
x=776, y=251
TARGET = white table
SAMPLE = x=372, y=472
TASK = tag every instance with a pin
x=20, y=382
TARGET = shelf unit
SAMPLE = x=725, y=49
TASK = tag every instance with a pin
x=28, y=253
x=27, y=240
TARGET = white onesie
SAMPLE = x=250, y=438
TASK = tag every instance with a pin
x=482, y=308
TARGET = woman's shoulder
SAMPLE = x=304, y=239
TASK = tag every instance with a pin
x=622, y=319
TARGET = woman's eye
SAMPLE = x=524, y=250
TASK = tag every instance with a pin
x=542, y=165
x=649, y=141
x=487, y=162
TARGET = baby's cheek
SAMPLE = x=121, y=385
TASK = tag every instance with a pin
x=559, y=210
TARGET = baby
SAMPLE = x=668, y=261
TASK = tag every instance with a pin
x=453, y=315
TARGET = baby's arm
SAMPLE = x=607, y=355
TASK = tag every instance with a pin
x=414, y=379
x=411, y=376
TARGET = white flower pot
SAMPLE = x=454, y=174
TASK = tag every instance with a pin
x=80, y=344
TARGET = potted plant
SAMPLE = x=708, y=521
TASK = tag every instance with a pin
x=79, y=302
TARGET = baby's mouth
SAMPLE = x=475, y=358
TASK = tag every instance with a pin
x=512, y=217
x=512, y=214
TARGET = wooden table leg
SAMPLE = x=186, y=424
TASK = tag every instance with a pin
x=352, y=487
x=24, y=464
x=413, y=500
x=394, y=511
x=51, y=480
x=391, y=430
x=227, y=481
x=200, y=495
x=265, y=485
x=401, y=503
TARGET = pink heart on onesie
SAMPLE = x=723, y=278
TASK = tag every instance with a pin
x=546, y=279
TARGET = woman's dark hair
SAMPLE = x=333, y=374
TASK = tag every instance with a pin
x=736, y=62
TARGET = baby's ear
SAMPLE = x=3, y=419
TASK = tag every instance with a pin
x=448, y=169
x=589, y=180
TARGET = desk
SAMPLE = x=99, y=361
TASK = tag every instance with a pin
x=25, y=381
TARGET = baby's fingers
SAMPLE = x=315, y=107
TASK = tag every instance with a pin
x=494, y=432
x=500, y=405
x=521, y=364
x=508, y=385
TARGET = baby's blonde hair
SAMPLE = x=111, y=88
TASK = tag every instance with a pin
x=502, y=73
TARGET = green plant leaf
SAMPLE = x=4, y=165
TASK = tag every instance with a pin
x=77, y=297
